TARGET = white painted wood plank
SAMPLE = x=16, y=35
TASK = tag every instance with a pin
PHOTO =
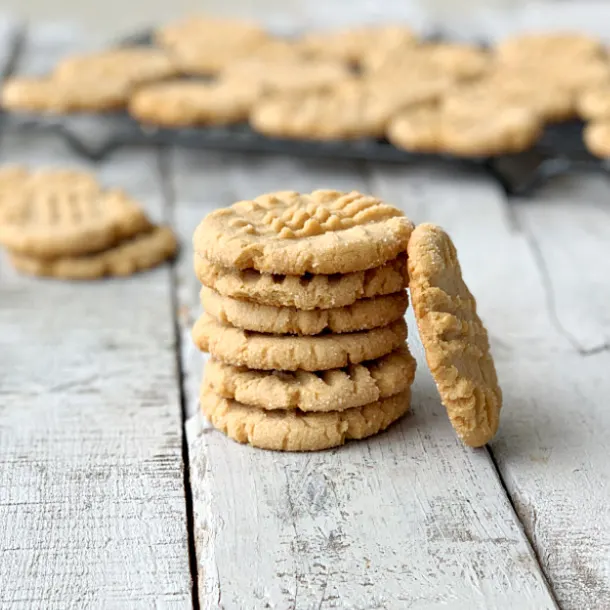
x=409, y=519
x=92, y=500
x=555, y=455
x=538, y=271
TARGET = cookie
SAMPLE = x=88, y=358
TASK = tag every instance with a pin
x=554, y=46
x=510, y=88
x=130, y=65
x=289, y=353
x=144, y=251
x=31, y=94
x=597, y=138
x=286, y=75
x=206, y=45
x=65, y=213
x=475, y=131
x=322, y=115
x=578, y=77
x=364, y=314
x=291, y=233
x=353, y=44
x=298, y=431
x=210, y=30
x=458, y=61
x=505, y=129
x=593, y=104
x=333, y=390
x=276, y=49
x=418, y=129
x=184, y=103
x=12, y=177
x=454, y=338
x=303, y=292
x=422, y=87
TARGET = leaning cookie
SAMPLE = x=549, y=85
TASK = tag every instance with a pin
x=289, y=353
x=322, y=232
x=331, y=390
x=361, y=315
x=454, y=338
x=298, y=431
x=144, y=251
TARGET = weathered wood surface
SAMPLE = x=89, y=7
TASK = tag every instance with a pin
x=409, y=519
x=92, y=496
x=92, y=501
x=539, y=270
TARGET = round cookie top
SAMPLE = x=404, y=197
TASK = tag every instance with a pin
x=454, y=338
x=288, y=232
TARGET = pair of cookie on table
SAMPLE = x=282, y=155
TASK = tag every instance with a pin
x=63, y=223
x=304, y=297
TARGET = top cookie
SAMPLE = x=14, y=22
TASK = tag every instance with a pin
x=51, y=214
x=291, y=233
x=454, y=338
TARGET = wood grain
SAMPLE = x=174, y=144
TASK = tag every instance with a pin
x=92, y=500
x=409, y=519
x=538, y=268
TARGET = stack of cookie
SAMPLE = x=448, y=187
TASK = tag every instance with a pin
x=62, y=223
x=304, y=297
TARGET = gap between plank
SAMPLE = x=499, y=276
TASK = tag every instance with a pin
x=545, y=575
x=170, y=203
x=513, y=222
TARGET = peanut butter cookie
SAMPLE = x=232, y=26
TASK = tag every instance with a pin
x=289, y=353
x=297, y=431
x=291, y=233
x=304, y=292
x=333, y=390
x=184, y=103
x=144, y=251
x=454, y=338
x=361, y=315
x=66, y=213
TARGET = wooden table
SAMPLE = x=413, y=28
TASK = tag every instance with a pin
x=114, y=495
